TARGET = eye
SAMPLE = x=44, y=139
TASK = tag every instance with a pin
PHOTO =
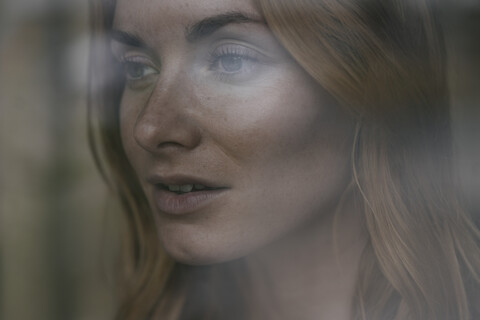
x=231, y=63
x=137, y=69
x=234, y=62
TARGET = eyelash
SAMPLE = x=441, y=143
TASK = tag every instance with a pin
x=216, y=59
x=241, y=53
x=136, y=62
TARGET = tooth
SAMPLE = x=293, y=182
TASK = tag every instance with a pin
x=199, y=187
x=186, y=188
x=173, y=188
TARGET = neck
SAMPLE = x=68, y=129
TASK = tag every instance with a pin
x=312, y=273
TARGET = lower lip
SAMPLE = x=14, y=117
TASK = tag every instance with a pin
x=178, y=204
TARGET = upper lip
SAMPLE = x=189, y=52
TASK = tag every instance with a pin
x=182, y=179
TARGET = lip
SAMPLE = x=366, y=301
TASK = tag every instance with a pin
x=185, y=203
x=182, y=179
x=179, y=204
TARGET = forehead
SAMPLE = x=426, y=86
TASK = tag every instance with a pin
x=150, y=17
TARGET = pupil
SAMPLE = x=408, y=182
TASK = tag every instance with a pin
x=135, y=70
x=232, y=63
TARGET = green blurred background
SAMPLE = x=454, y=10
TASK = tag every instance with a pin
x=56, y=247
x=58, y=226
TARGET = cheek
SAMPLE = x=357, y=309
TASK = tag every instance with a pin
x=292, y=145
x=281, y=118
x=131, y=105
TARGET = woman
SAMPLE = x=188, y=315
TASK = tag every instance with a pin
x=282, y=159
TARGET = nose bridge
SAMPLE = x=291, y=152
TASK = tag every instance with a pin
x=165, y=120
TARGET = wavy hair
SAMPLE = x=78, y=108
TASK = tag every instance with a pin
x=384, y=61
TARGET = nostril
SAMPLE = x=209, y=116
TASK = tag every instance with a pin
x=156, y=133
x=166, y=123
x=168, y=144
x=146, y=134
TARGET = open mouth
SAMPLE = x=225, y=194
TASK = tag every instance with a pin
x=183, y=198
x=186, y=188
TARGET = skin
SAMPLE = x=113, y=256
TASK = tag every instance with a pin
x=266, y=131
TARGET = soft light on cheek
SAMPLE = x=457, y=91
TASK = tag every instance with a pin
x=287, y=117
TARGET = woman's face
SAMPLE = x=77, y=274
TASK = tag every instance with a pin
x=234, y=145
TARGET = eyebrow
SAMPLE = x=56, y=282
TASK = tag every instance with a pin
x=128, y=39
x=209, y=25
x=193, y=33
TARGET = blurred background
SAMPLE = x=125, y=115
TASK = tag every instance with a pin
x=56, y=250
x=58, y=237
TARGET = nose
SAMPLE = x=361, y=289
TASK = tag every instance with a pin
x=166, y=123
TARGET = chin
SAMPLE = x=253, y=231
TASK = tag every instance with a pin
x=199, y=258
x=197, y=252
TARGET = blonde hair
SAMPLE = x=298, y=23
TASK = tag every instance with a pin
x=383, y=61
